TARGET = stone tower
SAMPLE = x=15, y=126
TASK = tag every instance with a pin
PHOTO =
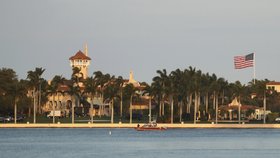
x=81, y=61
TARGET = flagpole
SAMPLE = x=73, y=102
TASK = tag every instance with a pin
x=254, y=69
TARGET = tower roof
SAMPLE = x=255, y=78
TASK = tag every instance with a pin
x=80, y=55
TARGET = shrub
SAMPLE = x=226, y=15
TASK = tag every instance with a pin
x=272, y=116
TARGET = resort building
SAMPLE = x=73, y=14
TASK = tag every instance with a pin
x=62, y=100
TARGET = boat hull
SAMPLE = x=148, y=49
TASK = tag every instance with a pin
x=150, y=128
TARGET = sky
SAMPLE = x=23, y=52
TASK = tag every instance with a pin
x=141, y=35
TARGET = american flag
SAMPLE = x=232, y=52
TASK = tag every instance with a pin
x=241, y=62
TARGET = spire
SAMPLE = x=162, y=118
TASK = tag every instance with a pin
x=131, y=79
x=86, y=50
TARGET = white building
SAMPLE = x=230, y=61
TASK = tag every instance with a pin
x=259, y=113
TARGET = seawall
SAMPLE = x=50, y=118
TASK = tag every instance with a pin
x=126, y=125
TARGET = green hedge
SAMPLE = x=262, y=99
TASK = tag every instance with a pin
x=272, y=116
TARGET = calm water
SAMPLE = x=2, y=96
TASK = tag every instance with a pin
x=127, y=143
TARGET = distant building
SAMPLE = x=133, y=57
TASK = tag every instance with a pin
x=259, y=113
x=81, y=61
x=273, y=86
x=230, y=111
x=62, y=99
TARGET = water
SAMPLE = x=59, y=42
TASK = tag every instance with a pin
x=127, y=143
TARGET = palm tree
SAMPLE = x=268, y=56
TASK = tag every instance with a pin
x=19, y=91
x=221, y=86
x=217, y=87
x=111, y=92
x=77, y=80
x=151, y=92
x=206, y=81
x=189, y=84
x=214, y=90
x=91, y=88
x=197, y=86
x=53, y=90
x=182, y=90
x=34, y=81
x=15, y=90
x=238, y=90
x=162, y=80
x=189, y=75
x=259, y=87
x=157, y=90
x=175, y=91
x=73, y=91
x=130, y=90
x=120, y=84
x=101, y=81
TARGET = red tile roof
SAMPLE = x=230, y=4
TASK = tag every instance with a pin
x=243, y=107
x=80, y=55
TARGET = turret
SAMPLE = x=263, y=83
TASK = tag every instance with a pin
x=81, y=61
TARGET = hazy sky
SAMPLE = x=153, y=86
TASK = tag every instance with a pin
x=141, y=35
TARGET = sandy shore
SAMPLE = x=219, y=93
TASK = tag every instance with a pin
x=117, y=125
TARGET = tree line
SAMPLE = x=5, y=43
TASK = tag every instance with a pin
x=181, y=95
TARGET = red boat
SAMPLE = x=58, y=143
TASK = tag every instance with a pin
x=150, y=127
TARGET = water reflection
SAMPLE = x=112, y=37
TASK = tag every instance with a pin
x=124, y=143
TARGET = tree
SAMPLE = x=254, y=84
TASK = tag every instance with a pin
x=18, y=91
x=238, y=92
x=120, y=84
x=214, y=87
x=259, y=88
x=111, y=92
x=175, y=91
x=77, y=80
x=101, y=80
x=130, y=90
x=53, y=90
x=8, y=78
x=91, y=89
x=35, y=80
x=162, y=80
x=151, y=91
x=75, y=90
x=197, y=88
x=206, y=81
x=188, y=83
x=11, y=89
x=189, y=76
x=157, y=90
x=179, y=88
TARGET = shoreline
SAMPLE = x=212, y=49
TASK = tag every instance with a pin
x=133, y=125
